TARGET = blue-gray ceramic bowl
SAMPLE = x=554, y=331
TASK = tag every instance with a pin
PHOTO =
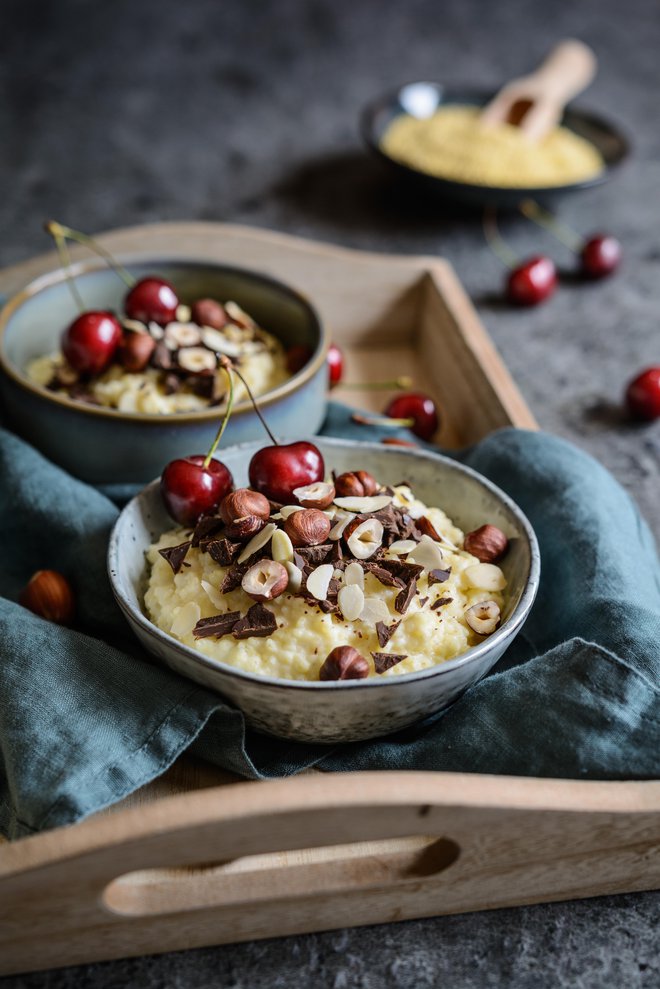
x=349, y=710
x=104, y=446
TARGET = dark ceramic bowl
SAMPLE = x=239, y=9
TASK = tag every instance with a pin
x=421, y=99
x=103, y=445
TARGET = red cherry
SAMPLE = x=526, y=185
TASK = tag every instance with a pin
x=643, y=394
x=151, y=299
x=335, y=364
x=189, y=489
x=420, y=408
x=600, y=256
x=90, y=342
x=276, y=471
x=532, y=282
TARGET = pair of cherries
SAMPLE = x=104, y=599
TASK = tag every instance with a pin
x=90, y=342
x=535, y=280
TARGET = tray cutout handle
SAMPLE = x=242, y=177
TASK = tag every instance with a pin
x=337, y=869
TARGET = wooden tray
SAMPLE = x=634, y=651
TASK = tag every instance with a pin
x=197, y=858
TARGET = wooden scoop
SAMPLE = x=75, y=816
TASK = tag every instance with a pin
x=535, y=103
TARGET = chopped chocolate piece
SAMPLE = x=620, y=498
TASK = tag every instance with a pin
x=222, y=551
x=162, y=357
x=314, y=555
x=402, y=569
x=204, y=385
x=440, y=602
x=171, y=384
x=259, y=621
x=298, y=560
x=385, y=632
x=383, y=574
x=233, y=577
x=438, y=576
x=405, y=596
x=422, y=601
x=275, y=507
x=384, y=661
x=328, y=607
x=175, y=555
x=389, y=490
x=80, y=392
x=390, y=519
x=217, y=625
x=337, y=555
x=409, y=529
x=206, y=527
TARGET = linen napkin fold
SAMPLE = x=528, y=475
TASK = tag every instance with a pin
x=85, y=718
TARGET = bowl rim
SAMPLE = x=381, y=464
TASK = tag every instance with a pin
x=58, y=276
x=481, y=95
x=506, y=630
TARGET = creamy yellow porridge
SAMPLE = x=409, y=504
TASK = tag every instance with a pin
x=385, y=576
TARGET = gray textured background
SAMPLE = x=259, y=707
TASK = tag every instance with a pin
x=140, y=110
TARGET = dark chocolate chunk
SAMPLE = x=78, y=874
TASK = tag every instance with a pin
x=175, y=555
x=298, y=560
x=204, y=385
x=385, y=632
x=314, y=555
x=383, y=575
x=390, y=519
x=405, y=596
x=259, y=621
x=171, y=384
x=233, y=577
x=207, y=526
x=81, y=392
x=222, y=551
x=422, y=601
x=162, y=357
x=217, y=625
x=440, y=602
x=384, y=661
x=438, y=576
x=402, y=569
x=409, y=529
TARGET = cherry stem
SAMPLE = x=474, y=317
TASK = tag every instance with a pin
x=56, y=230
x=225, y=418
x=495, y=241
x=252, y=399
x=381, y=421
x=398, y=384
x=544, y=218
x=65, y=261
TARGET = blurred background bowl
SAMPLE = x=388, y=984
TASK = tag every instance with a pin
x=347, y=710
x=103, y=445
x=422, y=99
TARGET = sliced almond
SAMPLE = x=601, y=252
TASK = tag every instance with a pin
x=319, y=495
x=354, y=574
x=258, y=542
x=214, y=595
x=218, y=342
x=239, y=316
x=427, y=554
x=183, y=313
x=375, y=610
x=287, y=510
x=402, y=546
x=196, y=360
x=281, y=548
x=319, y=581
x=295, y=577
x=337, y=531
x=484, y=617
x=365, y=539
x=156, y=330
x=485, y=577
x=351, y=601
x=181, y=335
x=134, y=325
x=185, y=619
x=366, y=505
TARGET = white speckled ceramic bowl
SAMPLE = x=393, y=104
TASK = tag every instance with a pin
x=354, y=709
x=102, y=445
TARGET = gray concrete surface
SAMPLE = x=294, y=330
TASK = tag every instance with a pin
x=128, y=112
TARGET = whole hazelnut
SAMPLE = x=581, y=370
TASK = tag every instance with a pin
x=344, y=663
x=358, y=484
x=265, y=580
x=242, y=502
x=135, y=351
x=487, y=543
x=209, y=312
x=49, y=595
x=309, y=527
x=242, y=529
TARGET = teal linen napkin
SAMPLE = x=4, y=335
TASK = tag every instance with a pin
x=85, y=720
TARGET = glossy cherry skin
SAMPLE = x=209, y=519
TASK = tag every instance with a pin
x=532, y=282
x=418, y=407
x=335, y=365
x=90, y=342
x=276, y=471
x=643, y=395
x=189, y=489
x=152, y=300
x=600, y=256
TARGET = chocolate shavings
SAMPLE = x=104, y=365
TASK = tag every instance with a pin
x=259, y=621
x=440, y=602
x=175, y=555
x=384, y=661
x=438, y=576
x=385, y=632
x=217, y=625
